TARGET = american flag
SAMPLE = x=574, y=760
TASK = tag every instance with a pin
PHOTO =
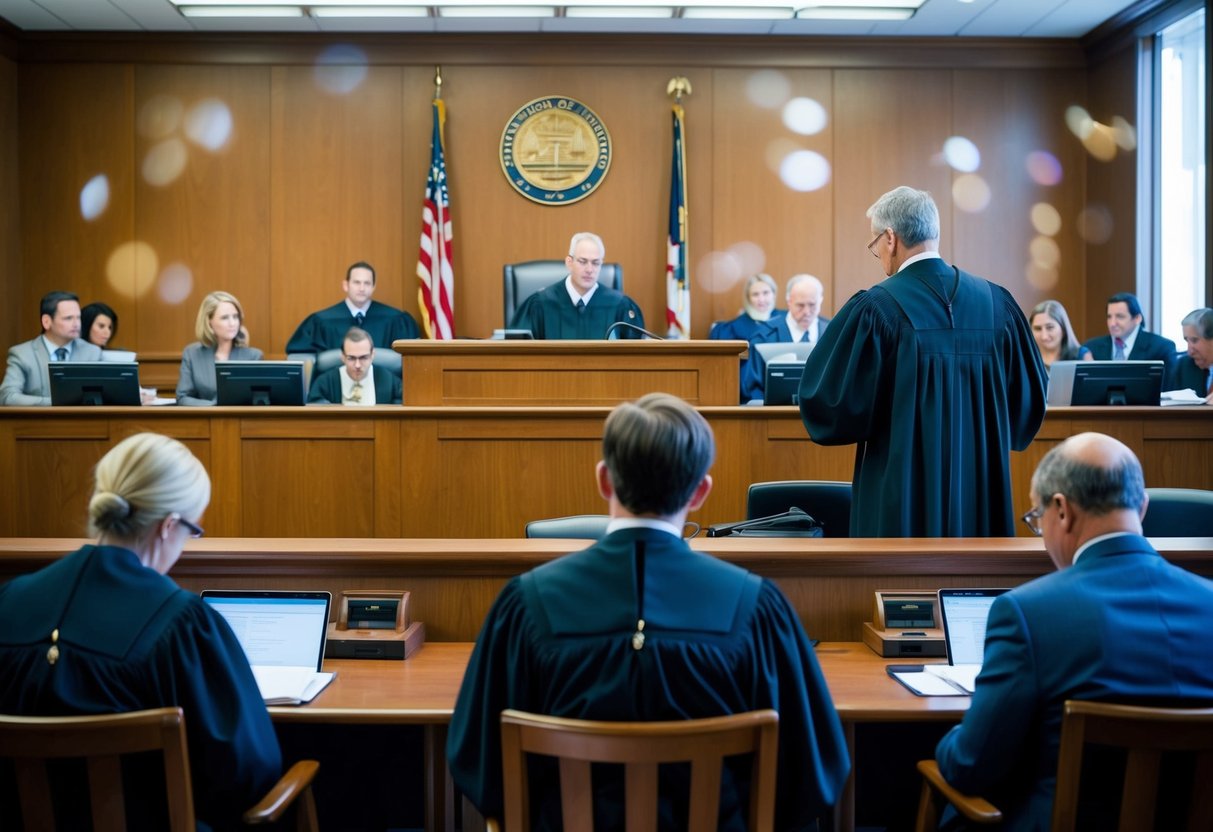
x=678, y=294
x=436, y=294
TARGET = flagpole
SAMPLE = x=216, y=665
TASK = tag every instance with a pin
x=678, y=312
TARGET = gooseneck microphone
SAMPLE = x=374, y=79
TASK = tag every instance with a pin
x=611, y=336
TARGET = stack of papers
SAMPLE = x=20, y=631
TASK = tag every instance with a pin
x=289, y=685
x=1177, y=397
x=937, y=679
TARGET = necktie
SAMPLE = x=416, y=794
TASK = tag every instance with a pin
x=61, y=354
x=1119, y=355
x=356, y=392
x=804, y=339
x=580, y=306
x=359, y=318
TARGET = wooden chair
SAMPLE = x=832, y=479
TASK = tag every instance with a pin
x=101, y=741
x=640, y=746
x=1144, y=733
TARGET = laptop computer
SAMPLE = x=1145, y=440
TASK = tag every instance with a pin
x=964, y=613
x=282, y=633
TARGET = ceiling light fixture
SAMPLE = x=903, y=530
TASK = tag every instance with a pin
x=241, y=11
x=849, y=13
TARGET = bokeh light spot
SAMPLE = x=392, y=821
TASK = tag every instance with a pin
x=209, y=124
x=340, y=69
x=777, y=150
x=1124, y=133
x=1101, y=142
x=95, y=197
x=164, y=162
x=1095, y=223
x=131, y=269
x=750, y=257
x=1041, y=277
x=804, y=116
x=1045, y=252
x=805, y=170
x=719, y=271
x=1043, y=167
x=970, y=193
x=961, y=154
x=175, y=284
x=1045, y=219
x=768, y=88
x=1079, y=121
x=159, y=116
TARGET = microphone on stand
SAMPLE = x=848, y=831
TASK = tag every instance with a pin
x=611, y=336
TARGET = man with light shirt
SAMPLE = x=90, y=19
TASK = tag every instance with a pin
x=324, y=330
x=1115, y=622
x=356, y=382
x=802, y=324
x=27, y=379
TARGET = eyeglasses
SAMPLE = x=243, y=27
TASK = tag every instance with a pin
x=358, y=359
x=583, y=262
x=194, y=530
x=1031, y=519
x=875, y=240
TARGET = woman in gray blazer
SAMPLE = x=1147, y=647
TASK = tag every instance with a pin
x=221, y=337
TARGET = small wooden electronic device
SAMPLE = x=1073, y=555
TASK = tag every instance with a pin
x=374, y=624
x=905, y=623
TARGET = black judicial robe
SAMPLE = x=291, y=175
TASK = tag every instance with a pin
x=718, y=640
x=549, y=314
x=325, y=330
x=129, y=639
x=934, y=397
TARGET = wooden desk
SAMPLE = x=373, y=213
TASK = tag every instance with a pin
x=567, y=373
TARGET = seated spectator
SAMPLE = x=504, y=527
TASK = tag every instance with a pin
x=1054, y=336
x=99, y=325
x=640, y=627
x=757, y=304
x=27, y=378
x=802, y=323
x=325, y=330
x=103, y=630
x=221, y=337
x=356, y=381
x=1195, y=370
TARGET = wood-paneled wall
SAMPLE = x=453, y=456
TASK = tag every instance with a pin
x=311, y=180
x=10, y=224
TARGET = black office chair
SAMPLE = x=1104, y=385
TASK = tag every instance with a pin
x=525, y=279
x=578, y=526
x=1178, y=512
x=828, y=502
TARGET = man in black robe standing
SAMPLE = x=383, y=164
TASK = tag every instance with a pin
x=579, y=307
x=934, y=375
x=326, y=329
x=639, y=627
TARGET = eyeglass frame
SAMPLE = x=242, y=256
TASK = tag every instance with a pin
x=585, y=261
x=1032, y=517
x=875, y=240
x=194, y=529
x=358, y=359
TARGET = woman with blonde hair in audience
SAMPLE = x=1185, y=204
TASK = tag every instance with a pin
x=221, y=337
x=758, y=302
x=1054, y=336
x=104, y=630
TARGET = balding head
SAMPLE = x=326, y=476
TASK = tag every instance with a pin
x=804, y=299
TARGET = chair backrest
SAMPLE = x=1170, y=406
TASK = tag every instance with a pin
x=577, y=526
x=1144, y=733
x=828, y=502
x=640, y=747
x=1178, y=512
x=525, y=279
x=102, y=741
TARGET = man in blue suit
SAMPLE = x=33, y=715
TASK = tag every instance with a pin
x=802, y=323
x=1194, y=371
x=1127, y=340
x=1117, y=621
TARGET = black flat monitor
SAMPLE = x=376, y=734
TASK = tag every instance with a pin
x=783, y=382
x=94, y=383
x=259, y=382
x=1087, y=383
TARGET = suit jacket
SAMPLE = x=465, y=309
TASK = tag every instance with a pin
x=1147, y=347
x=27, y=380
x=1121, y=623
x=196, y=385
x=1188, y=375
x=754, y=373
x=326, y=387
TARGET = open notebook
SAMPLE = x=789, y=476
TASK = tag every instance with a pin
x=964, y=613
x=282, y=634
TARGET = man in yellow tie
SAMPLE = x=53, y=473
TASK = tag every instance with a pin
x=356, y=382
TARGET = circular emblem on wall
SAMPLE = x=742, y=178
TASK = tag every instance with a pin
x=555, y=150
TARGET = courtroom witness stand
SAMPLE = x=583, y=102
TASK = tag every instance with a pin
x=27, y=378
x=1194, y=371
x=325, y=330
x=801, y=324
x=221, y=337
x=99, y=324
x=356, y=382
x=1054, y=335
x=579, y=307
x=104, y=630
x=757, y=307
x=1127, y=339
x=1115, y=622
x=639, y=627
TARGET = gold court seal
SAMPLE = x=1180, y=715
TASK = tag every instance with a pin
x=555, y=150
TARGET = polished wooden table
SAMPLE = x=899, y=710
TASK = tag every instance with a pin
x=422, y=691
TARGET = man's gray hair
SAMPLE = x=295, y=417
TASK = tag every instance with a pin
x=1202, y=319
x=586, y=235
x=1096, y=489
x=911, y=214
x=797, y=279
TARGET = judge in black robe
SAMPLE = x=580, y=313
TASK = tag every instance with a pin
x=562, y=640
x=935, y=376
x=325, y=330
x=551, y=314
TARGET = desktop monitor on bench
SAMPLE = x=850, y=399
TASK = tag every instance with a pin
x=94, y=383
x=1081, y=383
x=259, y=382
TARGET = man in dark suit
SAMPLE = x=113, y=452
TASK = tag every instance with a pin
x=802, y=323
x=27, y=379
x=356, y=381
x=1194, y=371
x=1117, y=621
x=1127, y=340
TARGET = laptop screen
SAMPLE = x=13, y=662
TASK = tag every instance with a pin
x=964, y=613
x=282, y=629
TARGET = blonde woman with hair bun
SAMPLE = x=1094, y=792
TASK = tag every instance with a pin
x=104, y=630
x=221, y=337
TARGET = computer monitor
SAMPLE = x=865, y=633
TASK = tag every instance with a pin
x=783, y=382
x=259, y=382
x=787, y=351
x=1081, y=383
x=94, y=383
